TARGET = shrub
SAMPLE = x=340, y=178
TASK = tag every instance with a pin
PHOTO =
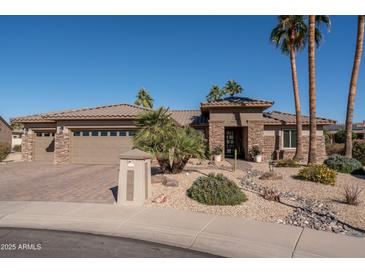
x=4, y=150
x=352, y=193
x=218, y=150
x=319, y=174
x=340, y=136
x=172, y=145
x=335, y=149
x=17, y=148
x=342, y=164
x=254, y=151
x=358, y=151
x=216, y=190
x=286, y=163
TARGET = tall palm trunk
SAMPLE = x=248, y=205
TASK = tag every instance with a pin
x=298, y=109
x=353, y=83
x=312, y=156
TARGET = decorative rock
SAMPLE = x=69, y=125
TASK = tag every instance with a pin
x=271, y=175
x=171, y=183
x=159, y=179
x=160, y=199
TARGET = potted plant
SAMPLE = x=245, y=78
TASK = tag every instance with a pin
x=217, y=153
x=256, y=154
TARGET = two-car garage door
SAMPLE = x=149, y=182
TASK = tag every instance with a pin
x=99, y=146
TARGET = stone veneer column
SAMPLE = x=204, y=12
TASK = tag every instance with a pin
x=62, y=146
x=255, y=136
x=27, y=145
x=216, y=134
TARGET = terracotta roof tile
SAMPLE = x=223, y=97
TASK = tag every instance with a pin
x=277, y=117
x=234, y=101
x=188, y=117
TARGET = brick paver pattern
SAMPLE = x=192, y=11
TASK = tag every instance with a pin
x=34, y=181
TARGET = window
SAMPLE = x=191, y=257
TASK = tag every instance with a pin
x=113, y=133
x=39, y=134
x=290, y=138
x=132, y=133
x=77, y=133
x=95, y=133
x=103, y=133
x=122, y=133
x=86, y=133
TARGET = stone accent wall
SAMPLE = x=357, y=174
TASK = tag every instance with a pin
x=216, y=134
x=270, y=147
x=62, y=148
x=27, y=146
x=255, y=136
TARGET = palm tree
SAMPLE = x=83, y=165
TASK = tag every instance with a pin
x=215, y=94
x=290, y=35
x=144, y=99
x=314, y=37
x=232, y=88
x=353, y=83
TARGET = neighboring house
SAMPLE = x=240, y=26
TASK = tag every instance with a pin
x=99, y=135
x=5, y=131
x=358, y=128
x=16, y=137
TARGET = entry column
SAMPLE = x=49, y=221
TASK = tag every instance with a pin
x=216, y=134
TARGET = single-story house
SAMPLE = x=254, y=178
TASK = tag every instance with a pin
x=16, y=139
x=5, y=131
x=99, y=135
x=357, y=128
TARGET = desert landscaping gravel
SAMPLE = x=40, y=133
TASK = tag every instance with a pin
x=256, y=207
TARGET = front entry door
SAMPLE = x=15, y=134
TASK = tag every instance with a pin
x=233, y=141
x=230, y=143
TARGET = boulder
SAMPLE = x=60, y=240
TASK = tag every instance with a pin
x=271, y=175
x=171, y=183
x=160, y=199
x=159, y=179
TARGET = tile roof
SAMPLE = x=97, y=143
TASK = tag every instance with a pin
x=277, y=117
x=235, y=101
x=111, y=111
x=188, y=117
x=5, y=122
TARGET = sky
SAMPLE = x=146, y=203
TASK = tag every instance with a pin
x=52, y=63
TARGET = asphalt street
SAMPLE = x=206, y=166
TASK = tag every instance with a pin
x=31, y=243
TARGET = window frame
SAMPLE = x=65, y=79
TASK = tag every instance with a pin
x=290, y=139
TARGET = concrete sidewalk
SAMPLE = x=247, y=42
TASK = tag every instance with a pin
x=218, y=235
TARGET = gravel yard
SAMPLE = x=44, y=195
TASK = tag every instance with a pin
x=256, y=207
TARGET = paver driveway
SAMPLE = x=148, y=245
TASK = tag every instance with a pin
x=32, y=181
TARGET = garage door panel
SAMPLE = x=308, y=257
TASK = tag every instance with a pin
x=99, y=149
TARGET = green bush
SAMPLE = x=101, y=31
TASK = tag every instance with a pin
x=4, y=151
x=216, y=190
x=319, y=174
x=286, y=163
x=358, y=151
x=342, y=164
x=340, y=136
x=17, y=148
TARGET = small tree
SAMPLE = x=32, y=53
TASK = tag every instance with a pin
x=172, y=146
x=340, y=136
x=232, y=88
x=144, y=99
x=215, y=94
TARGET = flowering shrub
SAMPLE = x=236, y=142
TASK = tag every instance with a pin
x=319, y=174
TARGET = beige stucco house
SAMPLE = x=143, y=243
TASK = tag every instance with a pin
x=99, y=135
x=5, y=131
